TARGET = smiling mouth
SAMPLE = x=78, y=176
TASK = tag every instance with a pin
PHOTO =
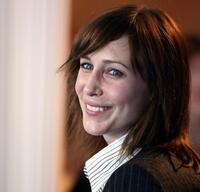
x=97, y=109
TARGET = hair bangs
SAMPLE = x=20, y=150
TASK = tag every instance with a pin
x=100, y=32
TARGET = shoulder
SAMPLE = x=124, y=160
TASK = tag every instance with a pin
x=153, y=170
x=132, y=177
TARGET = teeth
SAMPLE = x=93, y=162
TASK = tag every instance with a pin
x=95, y=108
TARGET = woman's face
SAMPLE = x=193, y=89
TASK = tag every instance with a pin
x=111, y=95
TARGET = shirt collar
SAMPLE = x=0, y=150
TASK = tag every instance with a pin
x=99, y=167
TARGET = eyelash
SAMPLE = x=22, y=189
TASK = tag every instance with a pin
x=87, y=67
x=115, y=72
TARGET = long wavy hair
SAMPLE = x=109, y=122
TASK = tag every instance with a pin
x=159, y=55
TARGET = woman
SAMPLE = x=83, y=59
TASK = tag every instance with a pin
x=128, y=84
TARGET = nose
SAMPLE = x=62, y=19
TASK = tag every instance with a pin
x=93, y=86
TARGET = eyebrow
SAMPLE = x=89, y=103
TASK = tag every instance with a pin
x=108, y=61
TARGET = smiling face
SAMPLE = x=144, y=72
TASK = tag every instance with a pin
x=111, y=95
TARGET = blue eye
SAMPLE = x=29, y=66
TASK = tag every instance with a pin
x=115, y=73
x=86, y=66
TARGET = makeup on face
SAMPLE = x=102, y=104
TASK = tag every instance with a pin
x=111, y=94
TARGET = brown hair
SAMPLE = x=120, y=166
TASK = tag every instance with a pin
x=159, y=55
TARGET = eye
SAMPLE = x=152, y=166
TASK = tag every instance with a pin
x=115, y=73
x=86, y=66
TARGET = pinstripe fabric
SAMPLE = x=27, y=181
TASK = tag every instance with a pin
x=132, y=179
x=99, y=168
x=151, y=171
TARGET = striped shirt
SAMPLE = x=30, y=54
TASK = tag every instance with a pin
x=99, y=167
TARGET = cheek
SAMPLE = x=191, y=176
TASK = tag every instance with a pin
x=134, y=96
x=78, y=86
x=120, y=94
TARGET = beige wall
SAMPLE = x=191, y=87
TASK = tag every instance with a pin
x=34, y=38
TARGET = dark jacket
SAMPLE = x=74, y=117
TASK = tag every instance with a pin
x=153, y=170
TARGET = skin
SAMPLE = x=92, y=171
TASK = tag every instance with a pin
x=111, y=95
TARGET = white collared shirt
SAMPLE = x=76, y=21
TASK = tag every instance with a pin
x=99, y=167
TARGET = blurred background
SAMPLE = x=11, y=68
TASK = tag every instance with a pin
x=35, y=39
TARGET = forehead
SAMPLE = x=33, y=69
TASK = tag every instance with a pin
x=118, y=50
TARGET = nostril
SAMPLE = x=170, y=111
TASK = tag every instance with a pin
x=94, y=92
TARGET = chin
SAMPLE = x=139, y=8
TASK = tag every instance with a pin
x=93, y=132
